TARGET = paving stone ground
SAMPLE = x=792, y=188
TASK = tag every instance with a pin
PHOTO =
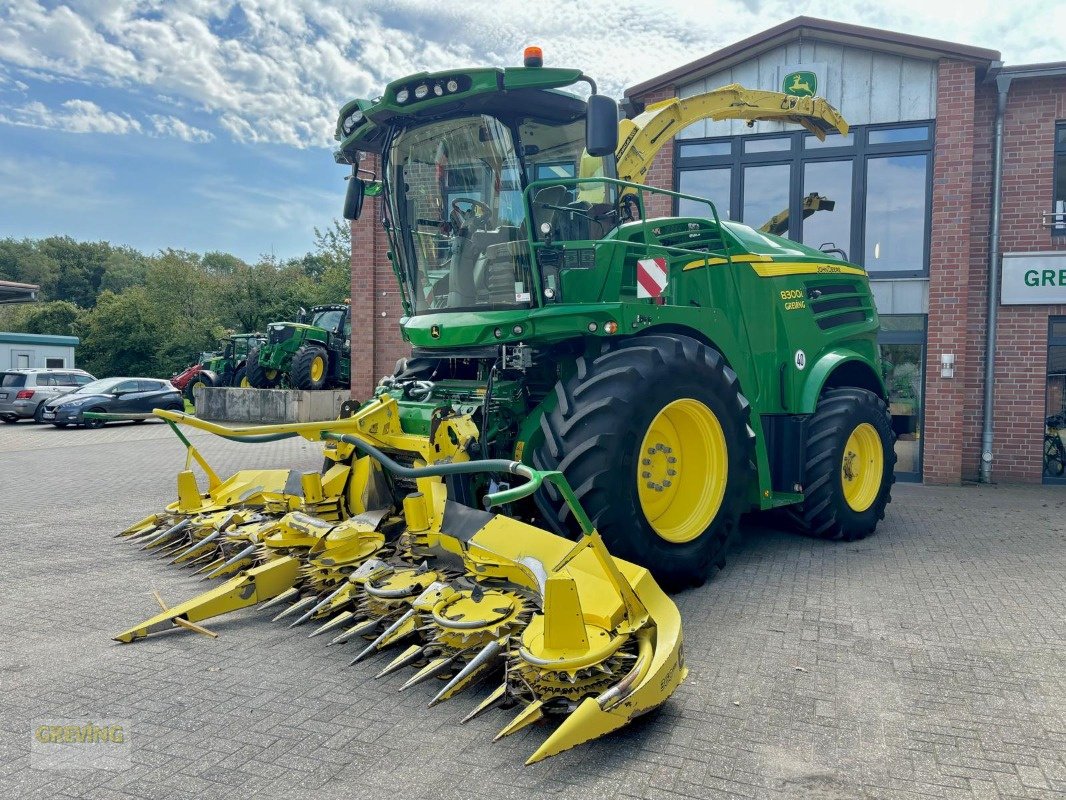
x=928, y=661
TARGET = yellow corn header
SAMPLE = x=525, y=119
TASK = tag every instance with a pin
x=567, y=630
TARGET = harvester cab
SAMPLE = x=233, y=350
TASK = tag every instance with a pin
x=313, y=353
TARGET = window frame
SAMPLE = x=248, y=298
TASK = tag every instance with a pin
x=920, y=338
x=1058, y=153
x=859, y=151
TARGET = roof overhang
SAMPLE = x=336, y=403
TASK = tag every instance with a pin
x=810, y=28
x=12, y=292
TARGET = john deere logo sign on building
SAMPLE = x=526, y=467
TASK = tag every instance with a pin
x=800, y=84
x=1033, y=278
x=802, y=80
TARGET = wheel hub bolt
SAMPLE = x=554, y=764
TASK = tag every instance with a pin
x=671, y=460
x=645, y=474
x=666, y=483
x=671, y=472
x=646, y=462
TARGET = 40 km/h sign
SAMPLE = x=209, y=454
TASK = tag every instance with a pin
x=1033, y=278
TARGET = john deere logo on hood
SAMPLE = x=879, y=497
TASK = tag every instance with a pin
x=800, y=84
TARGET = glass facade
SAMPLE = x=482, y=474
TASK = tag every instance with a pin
x=873, y=186
x=902, y=341
x=1054, y=467
x=1058, y=201
x=896, y=225
x=865, y=196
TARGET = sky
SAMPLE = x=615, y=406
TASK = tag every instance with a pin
x=208, y=124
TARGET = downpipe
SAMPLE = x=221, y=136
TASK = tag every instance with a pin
x=992, y=310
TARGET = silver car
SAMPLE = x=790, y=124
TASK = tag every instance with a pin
x=24, y=392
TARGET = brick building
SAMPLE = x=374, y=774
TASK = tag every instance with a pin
x=912, y=185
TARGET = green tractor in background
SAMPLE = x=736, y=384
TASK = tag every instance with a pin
x=225, y=367
x=305, y=355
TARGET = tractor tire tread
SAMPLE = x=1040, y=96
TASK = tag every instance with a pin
x=583, y=437
x=822, y=513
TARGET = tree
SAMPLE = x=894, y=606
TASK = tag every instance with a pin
x=58, y=318
x=333, y=250
x=120, y=335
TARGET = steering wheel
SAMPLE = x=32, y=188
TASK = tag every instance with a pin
x=480, y=212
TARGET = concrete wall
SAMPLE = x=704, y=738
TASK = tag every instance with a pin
x=262, y=406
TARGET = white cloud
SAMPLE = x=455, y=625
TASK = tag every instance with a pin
x=85, y=116
x=278, y=70
x=166, y=125
x=75, y=116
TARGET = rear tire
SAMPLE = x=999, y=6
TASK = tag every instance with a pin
x=204, y=378
x=849, y=466
x=653, y=436
x=10, y=420
x=310, y=368
x=258, y=376
x=60, y=424
x=240, y=378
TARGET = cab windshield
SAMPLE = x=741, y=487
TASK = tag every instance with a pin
x=456, y=201
x=328, y=320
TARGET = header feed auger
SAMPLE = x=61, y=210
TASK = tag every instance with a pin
x=572, y=631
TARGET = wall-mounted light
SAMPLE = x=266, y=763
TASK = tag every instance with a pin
x=947, y=365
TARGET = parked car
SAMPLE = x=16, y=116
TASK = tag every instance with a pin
x=114, y=396
x=24, y=392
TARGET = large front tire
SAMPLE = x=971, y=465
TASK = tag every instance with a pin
x=849, y=466
x=259, y=376
x=310, y=368
x=653, y=436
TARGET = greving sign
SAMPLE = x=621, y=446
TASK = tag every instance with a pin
x=1033, y=278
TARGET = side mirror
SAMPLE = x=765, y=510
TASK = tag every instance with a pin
x=601, y=125
x=353, y=198
x=301, y=317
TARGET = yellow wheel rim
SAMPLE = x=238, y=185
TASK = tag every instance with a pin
x=271, y=374
x=318, y=368
x=682, y=470
x=862, y=467
x=245, y=383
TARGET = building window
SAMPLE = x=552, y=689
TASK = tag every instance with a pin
x=55, y=363
x=766, y=194
x=714, y=184
x=902, y=342
x=896, y=227
x=22, y=361
x=1058, y=220
x=866, y=195
x=1054, y=451
x=824, y=183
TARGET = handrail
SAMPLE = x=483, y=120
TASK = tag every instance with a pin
x=638, y=190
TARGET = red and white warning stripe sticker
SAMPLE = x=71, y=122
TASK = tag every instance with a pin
x=651, y=277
